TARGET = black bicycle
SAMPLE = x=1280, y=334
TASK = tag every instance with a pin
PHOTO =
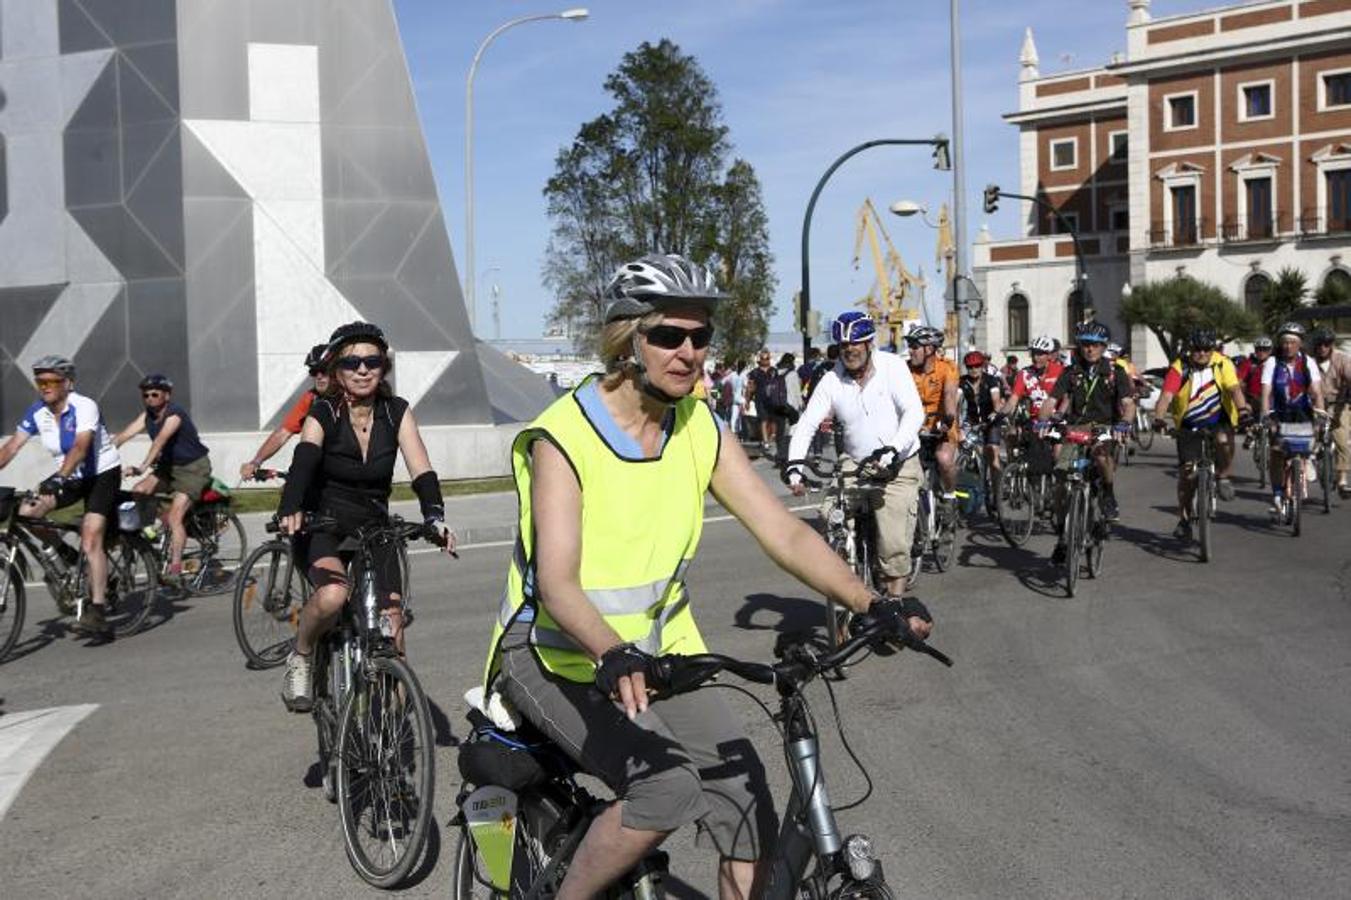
x=132, y=570
x=522, y=814
x=1024, y=491
x=215, y=547
x=1085, y=531
x=1201, y=472
x=375, y=730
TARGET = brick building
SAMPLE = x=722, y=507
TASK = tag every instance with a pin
x=1217, y=146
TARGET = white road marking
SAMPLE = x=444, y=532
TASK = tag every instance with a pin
x=25, y=740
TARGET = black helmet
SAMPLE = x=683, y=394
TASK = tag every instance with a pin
x=1201, y=339
x=354, y=332
x=55, y=363
x=156, y=382
x=1092, y=333
x=1322, y=336
x=314, y=360
x=639, y=287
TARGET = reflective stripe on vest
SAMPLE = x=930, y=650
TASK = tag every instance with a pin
x=641, y=523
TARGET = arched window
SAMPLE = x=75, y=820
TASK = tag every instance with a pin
x=1074, y=312
x=1017, y=330
x=1339, y=280
x=1253, y=289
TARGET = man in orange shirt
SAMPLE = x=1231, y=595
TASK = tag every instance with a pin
x=295, y=417
x=936, y=379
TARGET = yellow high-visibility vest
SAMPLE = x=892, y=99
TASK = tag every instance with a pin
x=641, y=522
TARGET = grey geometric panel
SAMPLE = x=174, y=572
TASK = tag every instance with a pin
x=93, y=170
x=22, y=309
x=378, y=98
x=141, y=146
x=458, y=397
x=4, y=179
x=213, y=60
x=515, y=393
x=99, y=108
x=104, y=353
x=393, y=161
x=78, y=31
x=407, y=324
x=157, y=65
x=272, y=22
x=345, y=223
x=138, y=101
x=204, y=176
x=384, y=247
x=428, y=274
x=126, y=243
x=30, y=29
x=157, y=330
x=151, y=200
x=133, y=21
x=119, y=397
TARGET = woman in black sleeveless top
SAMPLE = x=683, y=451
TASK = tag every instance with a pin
x=348, y=448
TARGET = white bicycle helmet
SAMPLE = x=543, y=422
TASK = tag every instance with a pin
x=640, y=287
x=1042, y=344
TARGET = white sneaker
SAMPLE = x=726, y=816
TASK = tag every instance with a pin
x=1277, y=509
x=296, y=691
x=1311, y=471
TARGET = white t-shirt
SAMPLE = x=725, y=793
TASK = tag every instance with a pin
x=885, y=411
x=58, y=433
x=1269, y=370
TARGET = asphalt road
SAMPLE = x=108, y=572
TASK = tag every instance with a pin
x=1178, y=730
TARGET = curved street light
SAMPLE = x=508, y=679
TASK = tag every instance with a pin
x=576, y=14
x=907, y=208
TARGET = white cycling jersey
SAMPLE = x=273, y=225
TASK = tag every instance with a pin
x=57, y=433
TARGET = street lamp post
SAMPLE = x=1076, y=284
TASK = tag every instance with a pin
x=958, y=184
x=572, y=15
x=939, y=143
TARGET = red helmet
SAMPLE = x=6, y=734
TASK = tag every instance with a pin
x=974, y=358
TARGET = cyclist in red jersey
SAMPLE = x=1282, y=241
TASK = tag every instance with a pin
x=1249, y=370
x=295, y=418
x=1034, y=383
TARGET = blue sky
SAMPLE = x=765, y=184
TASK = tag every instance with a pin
x=800, y=82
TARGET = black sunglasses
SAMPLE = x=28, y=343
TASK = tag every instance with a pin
x=353, y=363
x=671, y=337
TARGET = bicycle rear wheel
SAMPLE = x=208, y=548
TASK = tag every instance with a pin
x=1017, y=506
x=13, y=603
x=1295, y=465
x=1202, y=503
x=1327, y=476
x=1074, y=537
x=221, y=548
x=386, y=771
x=133, y=583
x=269, y=592
x=945, y=537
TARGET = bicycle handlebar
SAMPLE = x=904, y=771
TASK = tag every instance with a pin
x=394, y=528
x=798, y=664
x=867, y=469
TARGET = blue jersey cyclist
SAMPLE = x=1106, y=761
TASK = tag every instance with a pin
x=176, y=463
x=88, y=468
x=1292, y=391
x=612, y=479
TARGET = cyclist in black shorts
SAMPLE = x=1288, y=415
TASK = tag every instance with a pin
x=983, y=394
x=349, y=443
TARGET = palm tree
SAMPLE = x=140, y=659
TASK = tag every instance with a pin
x=1282, y=297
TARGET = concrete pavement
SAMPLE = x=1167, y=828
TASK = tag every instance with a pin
x=1178, y=729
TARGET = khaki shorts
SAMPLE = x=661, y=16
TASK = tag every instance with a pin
x=894, y=507
x=189, y=478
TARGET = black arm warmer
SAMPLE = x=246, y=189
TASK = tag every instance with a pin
x=304, y=462
x=427, y=487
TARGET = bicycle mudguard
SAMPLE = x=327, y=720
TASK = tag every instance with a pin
x=490, y=813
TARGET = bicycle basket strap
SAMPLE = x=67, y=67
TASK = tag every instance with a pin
x=488, y=759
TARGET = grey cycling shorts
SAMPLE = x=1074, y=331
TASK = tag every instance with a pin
x=686, y=759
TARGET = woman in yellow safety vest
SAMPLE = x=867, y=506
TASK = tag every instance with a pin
x=611, y=480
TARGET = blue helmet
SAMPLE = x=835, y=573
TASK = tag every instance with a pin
x=1092, y=333
x=852, y=326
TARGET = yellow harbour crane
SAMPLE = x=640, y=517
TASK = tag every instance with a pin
x=889, y=302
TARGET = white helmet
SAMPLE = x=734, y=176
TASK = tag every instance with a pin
x=1042, y=344
x=639, y=287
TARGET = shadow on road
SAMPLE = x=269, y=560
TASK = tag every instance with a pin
x=169, y=602
x=445, y=737
x=795, y=613
x=431, y=854
x=49, y=630
x=680, y=890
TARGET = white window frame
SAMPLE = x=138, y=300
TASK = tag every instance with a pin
x=1176, y=176
x=1168, y=111
x=1334, y=158
x=1323, y=105
x=1111, y=150
x=1270, y=85
x=1073, y=142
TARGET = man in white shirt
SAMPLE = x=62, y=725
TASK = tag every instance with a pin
x=872, y=397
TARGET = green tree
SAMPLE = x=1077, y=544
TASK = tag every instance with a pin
x=1282, y=297
x=651, y=176
x=1173, y=307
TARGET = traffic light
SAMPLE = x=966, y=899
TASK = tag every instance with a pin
x=813, y=323
x=991, y=198
x=942, y=153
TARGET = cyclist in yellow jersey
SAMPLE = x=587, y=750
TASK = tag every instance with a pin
x=612, y=479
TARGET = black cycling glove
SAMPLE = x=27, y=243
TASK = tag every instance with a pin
x=895, y=611
x=619, y=661
x=53, y=484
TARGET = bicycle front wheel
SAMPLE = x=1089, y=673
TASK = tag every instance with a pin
x=133, y=584
x=269, y=591
x=1202, y=503
x=1095, y=536
x=1017, y=507
x=1326, y=475
x=1144, y=435
x=13, y=603
x=386, y=772
x=1074, y=537
x=945, y=537
x=1298, y=485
